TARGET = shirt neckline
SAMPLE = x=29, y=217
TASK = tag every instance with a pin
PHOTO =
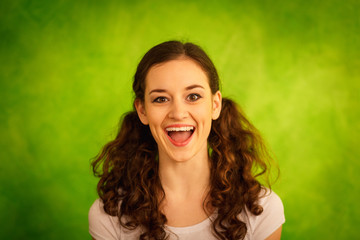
x=197, y=227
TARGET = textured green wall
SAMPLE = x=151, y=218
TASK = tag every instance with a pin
x=66, y=69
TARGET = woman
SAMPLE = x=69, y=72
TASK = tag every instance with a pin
x=182, y=164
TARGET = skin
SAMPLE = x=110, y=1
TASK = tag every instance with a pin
x=276, y=235
x=177, y=93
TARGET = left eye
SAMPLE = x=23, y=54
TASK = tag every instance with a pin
x=193, y=97
x=160, y=100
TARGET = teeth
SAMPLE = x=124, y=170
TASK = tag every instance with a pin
x=178, y=129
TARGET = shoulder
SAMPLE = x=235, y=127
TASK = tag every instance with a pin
x=101, y=224
x=271, y=202
x=270, y=219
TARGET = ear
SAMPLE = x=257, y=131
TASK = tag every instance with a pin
x=140, y=109
x=217, y=99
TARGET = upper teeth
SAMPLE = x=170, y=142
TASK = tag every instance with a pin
x=177, y=129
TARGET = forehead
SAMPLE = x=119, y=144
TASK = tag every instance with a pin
x=177, y=73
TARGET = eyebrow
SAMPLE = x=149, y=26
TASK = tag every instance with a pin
x=187, y=89
x=194, y=86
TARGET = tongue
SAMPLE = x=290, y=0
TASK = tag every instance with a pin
x=180, y=136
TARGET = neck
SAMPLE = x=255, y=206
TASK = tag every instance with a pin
x=184, y=179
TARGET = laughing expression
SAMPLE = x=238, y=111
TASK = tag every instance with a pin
x=179, y=108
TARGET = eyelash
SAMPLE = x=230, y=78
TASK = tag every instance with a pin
x=164, y=99
x=193, y=94
x=157, y=100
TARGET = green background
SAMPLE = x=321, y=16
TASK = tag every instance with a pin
x=66, y=69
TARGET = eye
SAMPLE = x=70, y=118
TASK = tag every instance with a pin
x=193, y=97
x=160, y=100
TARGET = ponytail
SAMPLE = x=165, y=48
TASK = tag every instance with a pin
x=238, y=157
x=128, y=171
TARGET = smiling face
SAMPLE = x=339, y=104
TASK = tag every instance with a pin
x=179, y=108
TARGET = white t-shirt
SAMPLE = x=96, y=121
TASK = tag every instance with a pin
x=105, y=227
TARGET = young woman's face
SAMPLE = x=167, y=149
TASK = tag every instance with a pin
x=179, y=108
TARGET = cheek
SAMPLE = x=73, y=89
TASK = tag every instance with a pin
x=155, y=129
x=205, y=113
x=155, y=121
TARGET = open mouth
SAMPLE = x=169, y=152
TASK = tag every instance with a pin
x=180, y=135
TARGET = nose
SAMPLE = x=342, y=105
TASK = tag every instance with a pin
x=178, y=110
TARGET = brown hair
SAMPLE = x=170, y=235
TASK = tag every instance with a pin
x=128, y=165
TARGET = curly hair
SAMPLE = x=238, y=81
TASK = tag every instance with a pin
x=128, y=166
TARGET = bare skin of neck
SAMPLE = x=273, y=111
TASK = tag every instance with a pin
x=186, y=185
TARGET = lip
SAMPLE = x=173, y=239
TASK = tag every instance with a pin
x=182, y=144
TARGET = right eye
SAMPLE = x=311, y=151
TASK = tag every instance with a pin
x=160, y=100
